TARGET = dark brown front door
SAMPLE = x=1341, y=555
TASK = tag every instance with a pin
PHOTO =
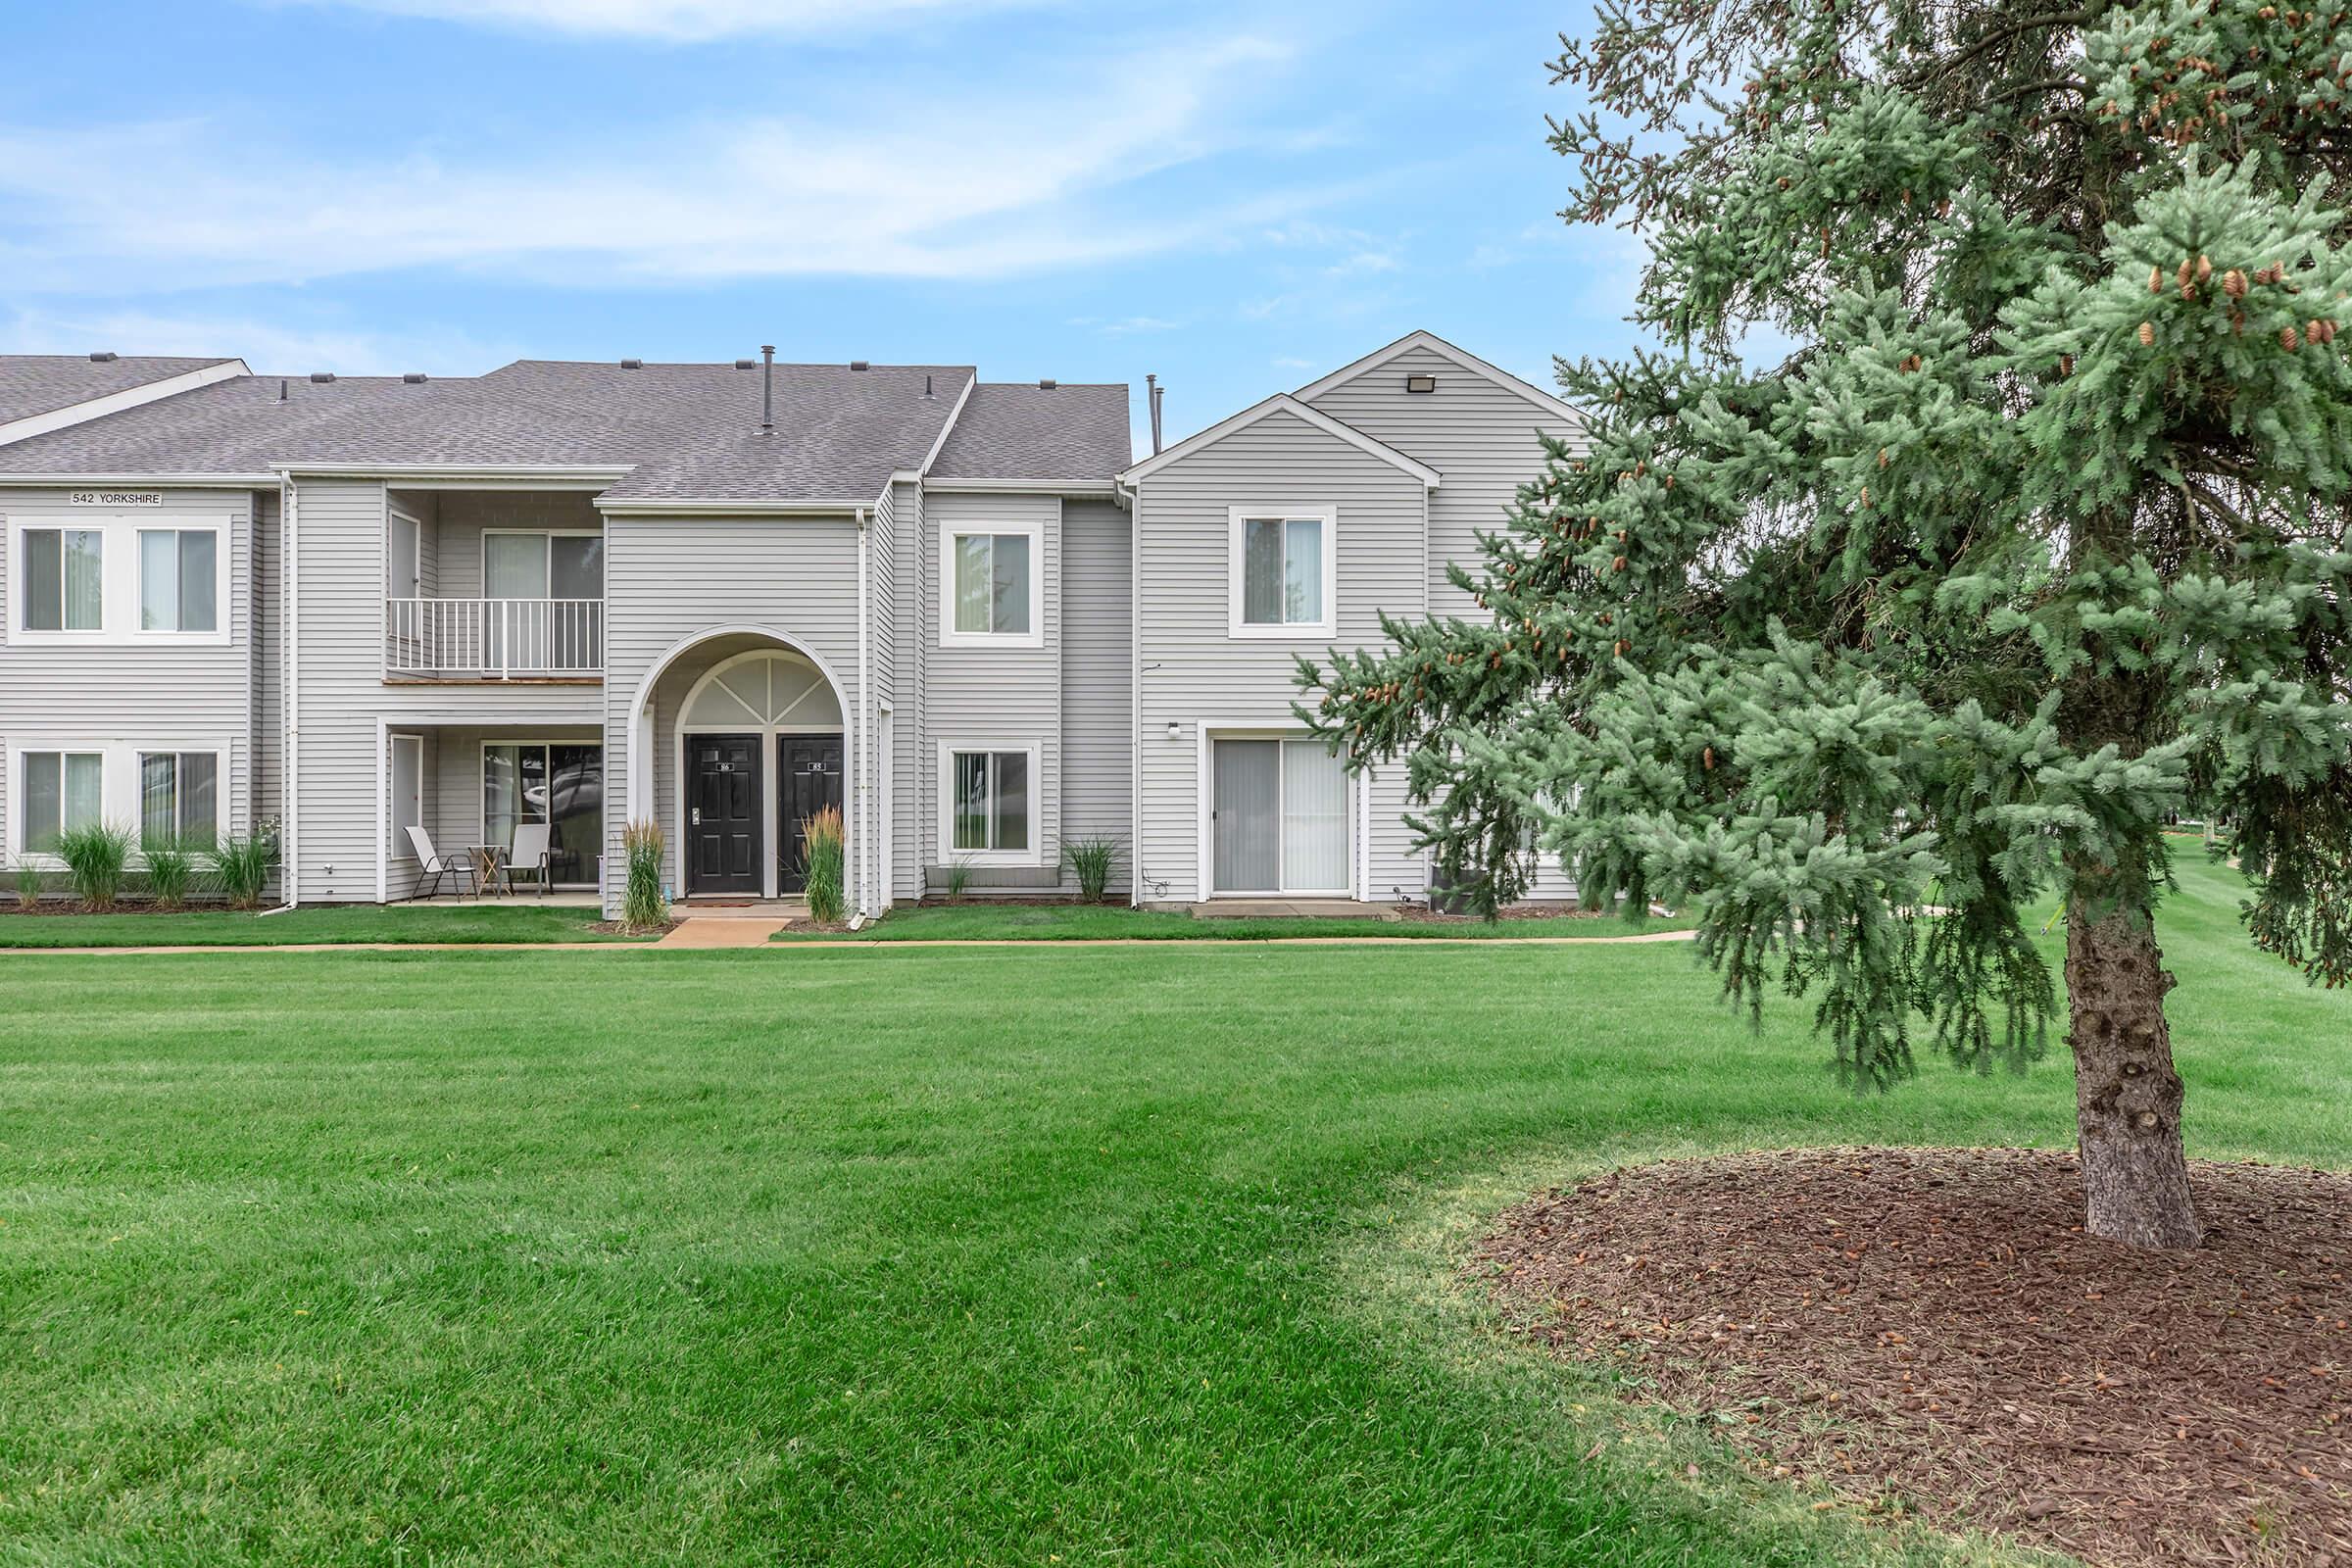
x=808, y=779
x=722, y=813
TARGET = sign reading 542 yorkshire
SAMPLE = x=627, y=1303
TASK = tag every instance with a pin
x=116, y=498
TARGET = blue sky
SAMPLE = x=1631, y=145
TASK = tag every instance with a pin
x=1235, y=196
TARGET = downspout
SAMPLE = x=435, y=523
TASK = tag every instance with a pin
x=1135, y=698
x=863, y=794
x=289, y=599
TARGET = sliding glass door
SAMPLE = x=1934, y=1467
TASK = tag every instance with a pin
x=1279, y=817
x=561, y=783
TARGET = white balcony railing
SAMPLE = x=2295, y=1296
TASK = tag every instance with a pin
x=494, y=639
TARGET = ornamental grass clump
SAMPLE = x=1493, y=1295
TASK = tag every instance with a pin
x=1093, y=861
x=170, y=866
x=645, y=904
x=95, y=855
x=826, y=902
x=29, y=886
x=241, y=867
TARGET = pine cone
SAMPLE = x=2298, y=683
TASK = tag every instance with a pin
x=2204, y=268
x=2155, y=280
x=2147, y=334
x=1618, y=564
x=1706, y=759
x=2289, y=339
x=2066, y=366
x=2233, y=283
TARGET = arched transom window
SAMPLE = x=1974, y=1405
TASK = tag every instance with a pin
x=764, y=691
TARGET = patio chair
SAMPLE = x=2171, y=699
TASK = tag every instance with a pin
x=437, y=866
x=530, y=854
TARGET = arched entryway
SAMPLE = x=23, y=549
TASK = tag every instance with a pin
x=742, y=735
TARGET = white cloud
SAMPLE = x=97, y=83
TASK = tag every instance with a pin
x=979, y=179
x=677, y=21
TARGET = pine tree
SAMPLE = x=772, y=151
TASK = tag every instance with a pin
x=2036, y=541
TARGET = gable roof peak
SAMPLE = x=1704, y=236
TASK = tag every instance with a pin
x=1427, y=341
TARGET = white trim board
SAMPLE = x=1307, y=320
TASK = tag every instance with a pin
x=73, y=414
x=1431, y=343
x=1284, y=403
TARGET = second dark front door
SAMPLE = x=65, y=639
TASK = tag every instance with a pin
x=807, y=780
x=722, y=816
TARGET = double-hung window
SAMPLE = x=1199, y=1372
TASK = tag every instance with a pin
x=64, y=581
x=991, y=583
x=179, y=579
x=61, y=791
x=179, y=795
x=992, y=805
x=1283, y=578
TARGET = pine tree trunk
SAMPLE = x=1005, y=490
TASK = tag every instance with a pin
x=2126, y=1095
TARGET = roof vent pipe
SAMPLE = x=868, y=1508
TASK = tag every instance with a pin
x=767, y=388
x=281, y=389
x=1153, y=393
x=926, y=386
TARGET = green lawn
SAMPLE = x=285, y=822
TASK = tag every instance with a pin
x=1079, y=1256
x=520, y=921
x=1078, y=922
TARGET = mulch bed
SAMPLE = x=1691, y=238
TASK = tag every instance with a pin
x=1935, y=1322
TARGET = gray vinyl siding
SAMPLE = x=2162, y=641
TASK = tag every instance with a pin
x=983, y=698
x=269, y=652
x=904, y=567
x=1481, y=436
x=1485, y=440
x=1097, y=725
x=671, y=580
x=189, y=695
x=340, y=697
x=1194, y=670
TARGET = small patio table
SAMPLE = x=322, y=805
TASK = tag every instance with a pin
x=489, y=868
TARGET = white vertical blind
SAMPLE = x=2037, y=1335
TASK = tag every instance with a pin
x=1314, y=818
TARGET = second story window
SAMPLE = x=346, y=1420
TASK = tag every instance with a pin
x=64, y=581
x=521, y=564
x=180, y=577
x=1282, y=572
x=991, y=583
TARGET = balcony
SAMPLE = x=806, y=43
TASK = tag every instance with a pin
x=494, y=639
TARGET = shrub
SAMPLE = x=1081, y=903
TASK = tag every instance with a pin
x=168, y=868
x=960, y=877
x=29, y=886
x=644, y=906
x=241, y=867
x=1093, y=861
x=826, y=843
x=95, y=856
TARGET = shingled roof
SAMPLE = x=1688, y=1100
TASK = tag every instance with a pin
x=685, y=431
x=43, y=384
x=1070, y=432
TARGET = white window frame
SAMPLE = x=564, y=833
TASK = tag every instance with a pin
x=138, y=600
x=20, y=798
x=139, y=764
x=1035, y=853
x=1035, y=637
x=1286, y=631
x=118, y=783
x=119, y=579
x=547, y=538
